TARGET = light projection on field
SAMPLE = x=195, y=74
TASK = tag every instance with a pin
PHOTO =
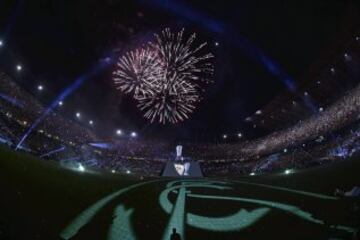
x=176, y=198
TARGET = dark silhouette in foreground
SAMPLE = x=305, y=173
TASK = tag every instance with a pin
x=175, y=235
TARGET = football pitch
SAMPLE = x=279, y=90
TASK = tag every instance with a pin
x=42, y=200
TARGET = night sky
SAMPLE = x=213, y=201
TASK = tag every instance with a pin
x=58, y=41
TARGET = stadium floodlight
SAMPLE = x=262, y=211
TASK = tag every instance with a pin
x=240, y=135
x=78, y=115
x=133, y=134
x=288, y=171
x=216, y=44
x=81, y=168
x=61, y=103
x=1, y=43
x=118, y=132
x=18, y=67
x=128, y=171
x=91, y=122
x=224, y=136
x=40, y=87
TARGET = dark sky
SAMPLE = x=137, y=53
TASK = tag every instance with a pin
x=58, y=41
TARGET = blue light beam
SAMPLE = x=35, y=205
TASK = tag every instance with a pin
x=11, y=100
x=53, y=152
x=67, y=92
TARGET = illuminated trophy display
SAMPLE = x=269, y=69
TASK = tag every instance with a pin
x=181, y=166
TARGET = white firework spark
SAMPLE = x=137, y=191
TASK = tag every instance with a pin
x=166, y=76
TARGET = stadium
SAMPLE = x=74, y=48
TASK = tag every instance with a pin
x=125, y=120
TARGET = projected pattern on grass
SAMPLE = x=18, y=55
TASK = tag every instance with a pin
x=183, y=191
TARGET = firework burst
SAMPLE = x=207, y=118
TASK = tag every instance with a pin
x=169, y=102
x=136, y=71
x=166, y=76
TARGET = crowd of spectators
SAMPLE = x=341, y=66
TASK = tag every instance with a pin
x=326, y=136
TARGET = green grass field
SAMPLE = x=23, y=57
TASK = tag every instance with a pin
x=41, y=200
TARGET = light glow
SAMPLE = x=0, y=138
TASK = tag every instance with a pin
x=81, y=168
